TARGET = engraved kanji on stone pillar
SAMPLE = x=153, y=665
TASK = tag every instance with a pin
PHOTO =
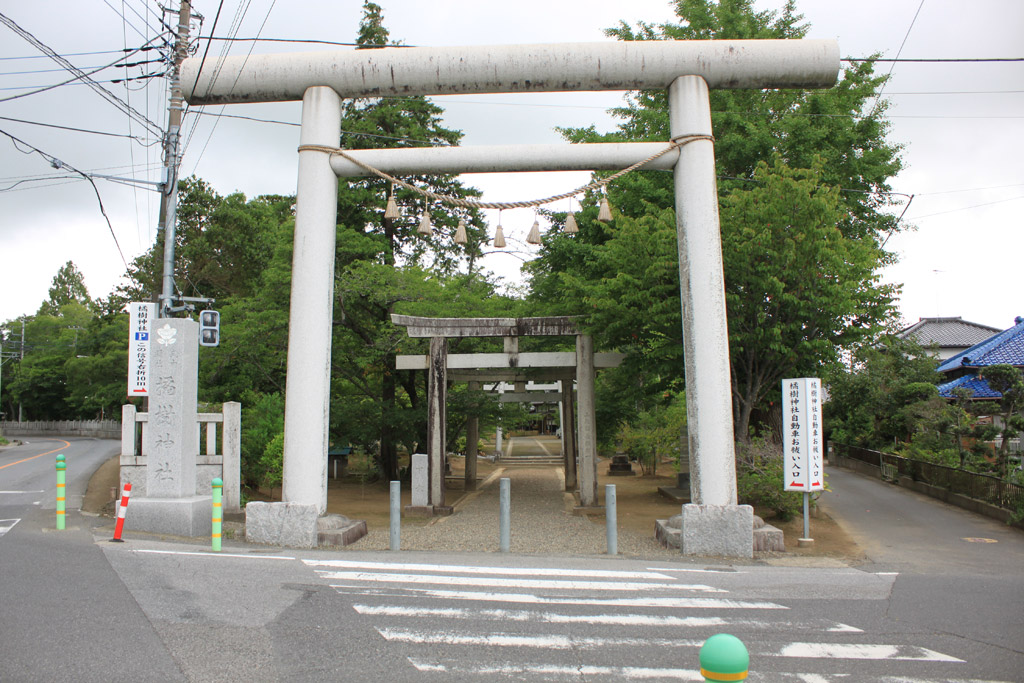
x=171, y=433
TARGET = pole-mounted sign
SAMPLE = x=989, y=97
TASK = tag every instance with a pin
x=142, y=317
x=802, y=434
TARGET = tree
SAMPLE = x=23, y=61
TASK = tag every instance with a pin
x=824, y=151
x=382, y=263
x=887, y=396
x=1008, y=381
x=68, y=286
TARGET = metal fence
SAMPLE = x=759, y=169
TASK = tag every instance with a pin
x=983, y=487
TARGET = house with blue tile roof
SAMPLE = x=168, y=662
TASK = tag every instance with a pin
x=962, y=369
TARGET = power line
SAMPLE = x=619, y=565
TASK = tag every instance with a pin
x=295, y=40
x=965, y=208
x=124, y=19
x=103, y=92
x=57, y=163
x=76, y=130
x=57, y=85
x=878, y=97
x=77, y=81
x=84, y=54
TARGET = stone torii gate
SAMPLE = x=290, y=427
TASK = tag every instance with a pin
x=583, y=364
x=713, y=523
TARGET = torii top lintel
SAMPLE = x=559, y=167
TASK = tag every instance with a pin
x=555, y=67
x=486, y=327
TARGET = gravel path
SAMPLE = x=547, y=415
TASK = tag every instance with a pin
x=542, y=523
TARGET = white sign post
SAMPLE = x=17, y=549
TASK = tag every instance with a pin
x=142, y=317
x=803, y=469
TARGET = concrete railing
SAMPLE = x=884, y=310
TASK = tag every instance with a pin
x=218, y=457
x=99, y=429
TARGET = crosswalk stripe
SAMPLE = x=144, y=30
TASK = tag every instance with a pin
x=861, y=651
x=531, y=599
x=511, y=669
x=470, y=569
x=568, y=642
x=7, y=524
x=521, y=669
x=515, y=583
x=596, y=619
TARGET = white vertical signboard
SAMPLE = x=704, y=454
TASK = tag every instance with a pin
x=802, y=434
x=142, y=317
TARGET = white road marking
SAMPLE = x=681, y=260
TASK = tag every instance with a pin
x=7, y=524
x=531, y=599
x=604, y=619
x=212, y=554
x=568, y=642
x=510, y=669
x=15, y=493
x=858, y=651
x=547, y=642
x=469, y=569
x=522, y=669
x=513, y=583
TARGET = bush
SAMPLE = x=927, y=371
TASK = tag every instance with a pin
x=759, y=478
x=262, y=420
x=272, y=463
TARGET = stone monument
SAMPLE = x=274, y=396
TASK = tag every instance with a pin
x=171, y=439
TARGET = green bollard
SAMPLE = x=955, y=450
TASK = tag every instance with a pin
x=218, y=517
x=724, y=658
x=61, y=495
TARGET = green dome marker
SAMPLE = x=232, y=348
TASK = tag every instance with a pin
x=724, y=657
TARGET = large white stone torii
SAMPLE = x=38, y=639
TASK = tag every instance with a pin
x=714, y=523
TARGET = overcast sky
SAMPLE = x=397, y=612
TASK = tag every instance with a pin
x=961, y=126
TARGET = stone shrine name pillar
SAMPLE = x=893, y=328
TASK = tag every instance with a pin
x=171, y=439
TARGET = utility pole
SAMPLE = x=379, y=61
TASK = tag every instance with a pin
x=169, y=195
x=20, y=361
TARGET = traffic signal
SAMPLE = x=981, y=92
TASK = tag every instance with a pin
x=209, y=328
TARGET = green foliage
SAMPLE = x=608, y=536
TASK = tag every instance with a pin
x=888, y=397
x=262, y=423
x=68, y=287
x=1008, y=381
x=272, y=463
x=800, y=256
x=655, y=433
x=759, y=478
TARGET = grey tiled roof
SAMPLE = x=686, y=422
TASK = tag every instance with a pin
x=947, y=332
x=1006, y=347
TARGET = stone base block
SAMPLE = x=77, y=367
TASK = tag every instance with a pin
x=428, y=510
x=722, y=530
x=293, y=525
x=179, y=516
x=339, y=530
x=766, y=537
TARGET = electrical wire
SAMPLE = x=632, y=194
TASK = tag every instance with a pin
x=878, y=97
x=247, y=55
x=57, y=85
x=103, y=92
x=124, y=19
x=57, y=163
x=76, y=130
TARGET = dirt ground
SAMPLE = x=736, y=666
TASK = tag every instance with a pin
x=638, y=503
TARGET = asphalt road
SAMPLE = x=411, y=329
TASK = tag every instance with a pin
x=78, y=607
x=65, y=614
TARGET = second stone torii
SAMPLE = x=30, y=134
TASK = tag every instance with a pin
x=437, y=364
